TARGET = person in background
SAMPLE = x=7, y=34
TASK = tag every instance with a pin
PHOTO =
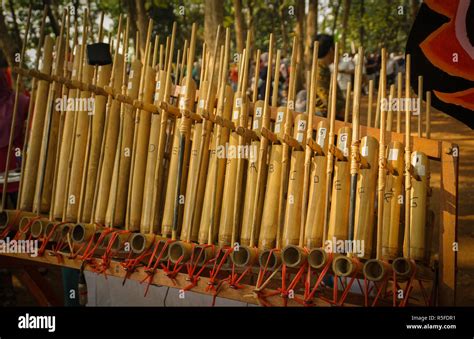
x=345, y=72
x=7, y=101
x=391, y=69
x=325, y=59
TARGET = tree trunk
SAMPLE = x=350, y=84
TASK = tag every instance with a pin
x=239, y=25
x=311, y=31
x=345, y=19
x=336, y=15
x=213, y=17
x=299, y=31
x=361, y=23
x=142, y=25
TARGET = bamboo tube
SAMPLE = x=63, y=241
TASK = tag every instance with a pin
x=418, y=206
x=370, y=103
x=252, y=168
x=78, y=150
x=155, y=130
x=44, y=182
x=183, y=250
x=407, y=158
x=64, y=91
x=339, y=216
x=199, y=158
x=181, y=68
x=232, y=180
x=312, y=76
x=79, y=136
x=66, y=144
x=140, y=142
x=420, y=99
x=216, y=175
x=159, y=166
x=208, y=232
x=375, y=269
x=292, y=227
x=314, y=221
x=34, y=144
x=30, y=108
x=97, y=134
x=330, y=161
x=116, y=208
x=399, y=96
x=348, y=102
x=110, y=137
x=428, y=114
x=101, y=100
x=258, y=168
x=181, y=144
x=243, y=123
x=391, y=210
x=285, y=159
x=390, y=111
x=269, y=219
x=378, y=104
x=365, y=200
x=345, y=265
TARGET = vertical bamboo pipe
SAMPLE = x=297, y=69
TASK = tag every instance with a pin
x=382, y=160
x=117, y=204
x=313, y=75
x=420, y=102
x=378, y=104
x=390, y=108
x=91, y=175
x=37, y=123
x=181, y=146
x=391, y=210
x=140, y=141
x=66, y=143
x=252, y=168
x=315, y=212
x=147, y=225
x=330, y=160
x=227, y=227
x=63, y=91
x=110, y=137
x=399, y=97
x=348, y=101
x=407, y=157
x=243, y=123
x=370, y=108
x=208, y=230
x=34, y=88
x=159, y=166
x=418, y=206
x=428, y=114
x=269, y=219
x=199, y=155
x=79, y=136
x=44, y=182
x=286, y=159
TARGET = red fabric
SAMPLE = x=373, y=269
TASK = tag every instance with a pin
x=7, y=100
